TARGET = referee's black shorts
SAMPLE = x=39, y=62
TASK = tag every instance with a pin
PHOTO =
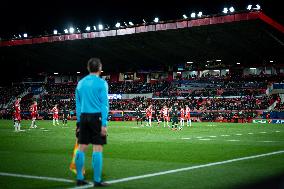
x=90, y=129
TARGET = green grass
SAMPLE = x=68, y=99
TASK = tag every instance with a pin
x=133, y=151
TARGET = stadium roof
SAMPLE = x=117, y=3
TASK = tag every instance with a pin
x=249, y=38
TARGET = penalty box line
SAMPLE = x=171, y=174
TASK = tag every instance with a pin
x=182, y=169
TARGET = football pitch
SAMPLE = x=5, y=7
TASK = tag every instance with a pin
x=206, y=155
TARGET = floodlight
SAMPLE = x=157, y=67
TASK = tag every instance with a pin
x=71, y=30
x=225, y=10
x=101, y=27
x=117, y=25
x=156, y=19
x=199, y=14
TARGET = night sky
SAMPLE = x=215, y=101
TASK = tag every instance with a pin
x=42, y=17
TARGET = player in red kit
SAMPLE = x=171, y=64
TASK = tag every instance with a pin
x=55, y=114
x=17, y=115
x=33, y=110
x=187, y=116
x=149, y=112
x=165, y=114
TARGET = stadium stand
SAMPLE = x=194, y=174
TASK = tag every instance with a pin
x=210, y=98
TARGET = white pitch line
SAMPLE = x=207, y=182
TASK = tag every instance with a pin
x=277, y=131
x=183, y=169
x=204, y=139
x=239, y=134
x=262, y=132
x=199, y=137
x=225, y=135
x=36, y=177
x=233, y=140
x=212, y=136
x=250, y=133
x=267, y=141
x=142, y=176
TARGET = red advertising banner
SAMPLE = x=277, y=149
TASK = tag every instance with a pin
x=58, y=38
x=141, y=29
x=242, y=16
x=73, y=36
x=253, y=15
x=107, y=33
x=161, y=27
x=126, y=31
x=151, y=28
x=41, y=40
x=229, y=18
x=182, y=24
x=217, y=20
x=171, y=26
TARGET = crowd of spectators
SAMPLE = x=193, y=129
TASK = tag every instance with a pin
x=196, y=92
x=8, y=93
x=128, y=87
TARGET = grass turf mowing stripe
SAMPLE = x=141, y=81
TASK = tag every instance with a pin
x=182, y=169
x=36, y=177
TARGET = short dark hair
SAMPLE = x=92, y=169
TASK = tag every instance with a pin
x=94, y=65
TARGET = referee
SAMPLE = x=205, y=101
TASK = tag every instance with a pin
x=92, y=108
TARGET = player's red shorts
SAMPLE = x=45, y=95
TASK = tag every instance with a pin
x=33, y=115
x=18, y=117
x=166, y=118
x=149, y=117
x=187, y=116
x=55, y=116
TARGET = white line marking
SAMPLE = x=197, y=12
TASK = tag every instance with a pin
x=233, y=140
x=212, y=136
x=250, y=133
x=262, y=132
x=211, y=125
x=183, y=169
x=267, y=141
x=36, y=177
x=204, y=139
x=277, y=131
x=143, y=176
x=83, y=187
x=199, y=137
x=225, y=135
x=239, y=134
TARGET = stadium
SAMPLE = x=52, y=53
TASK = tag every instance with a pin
x=194, y=102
